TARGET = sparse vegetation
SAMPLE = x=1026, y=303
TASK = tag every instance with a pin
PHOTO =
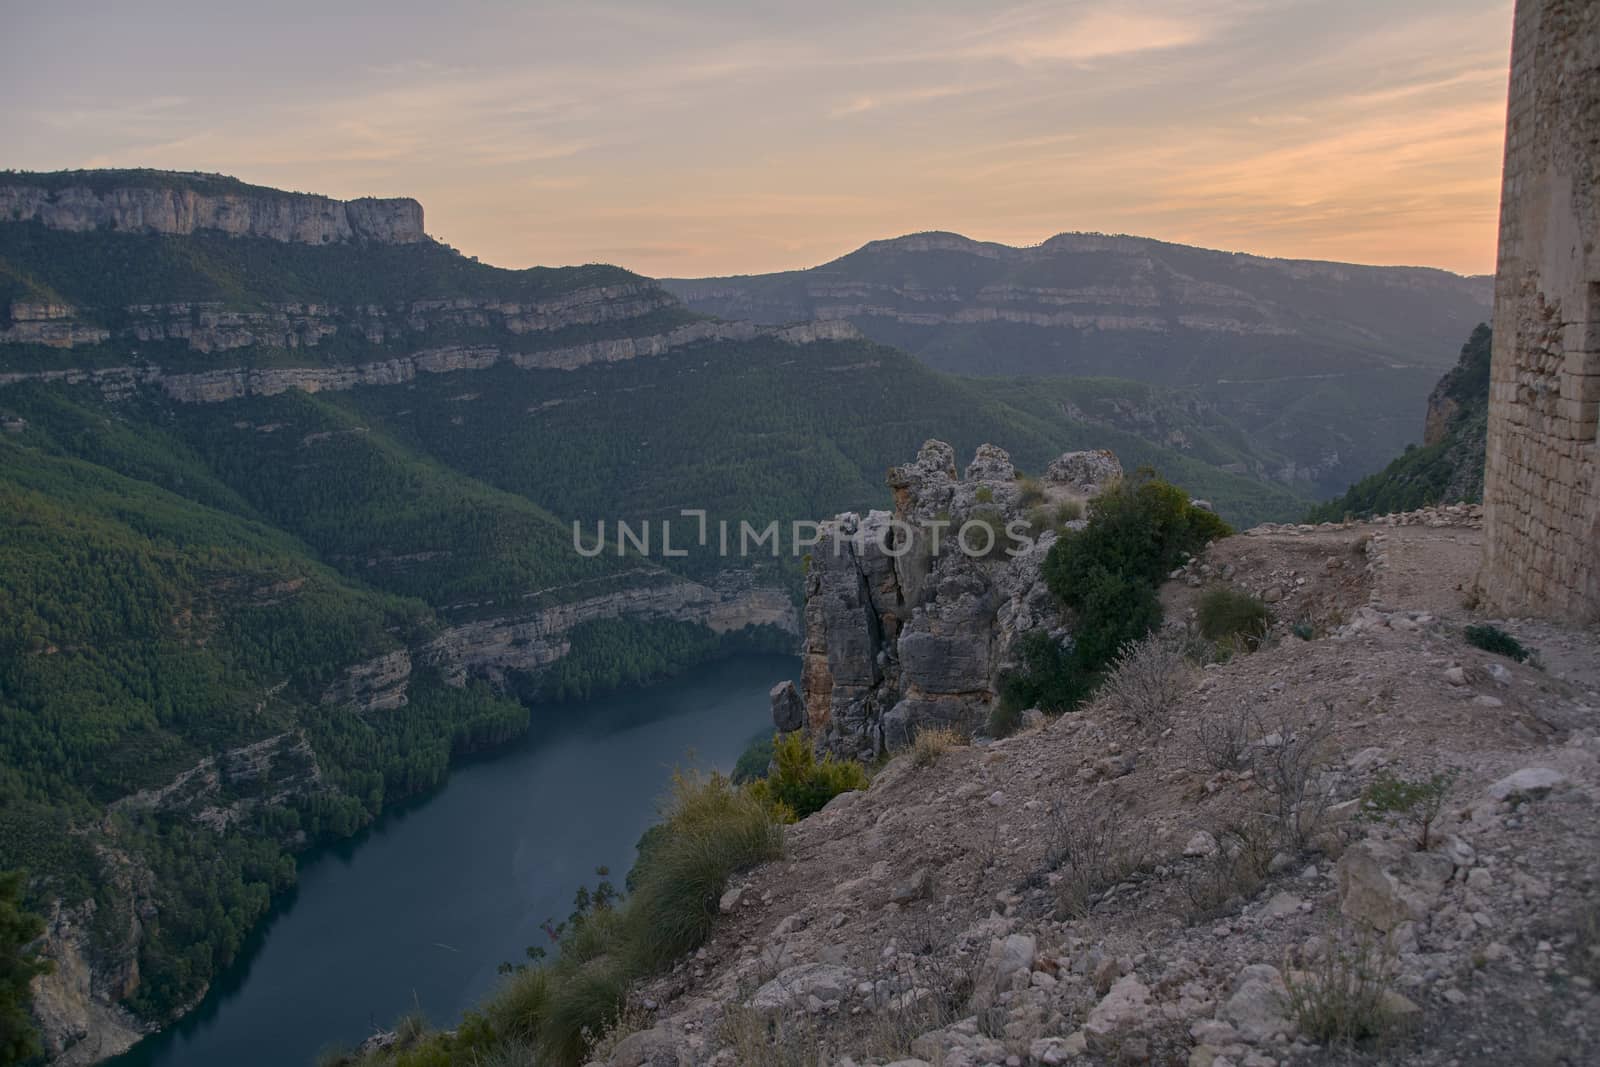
x=1220, y=740
x=1417, y=801
x=1346, y=998
x=1288, y=762
x=1030, y=492
x=931, y=744
x=1493, y=639
x=1231, y=616
x=1148, y=680
x=1092, y=852
x=1222, y=882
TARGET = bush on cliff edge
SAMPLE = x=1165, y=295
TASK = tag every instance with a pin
x=1107, y=573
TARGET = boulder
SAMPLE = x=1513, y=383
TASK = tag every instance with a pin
x=1121, y=1011
x=794, y=985
x=1259, y=1000
x=1384, y=884
x=1085, y=471
x=1008, y=957
x=1530, y=782
x=788, y=710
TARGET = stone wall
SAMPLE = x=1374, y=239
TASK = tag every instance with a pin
x=1542, y=489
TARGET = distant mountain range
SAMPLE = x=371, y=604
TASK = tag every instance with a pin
x=1327, y=364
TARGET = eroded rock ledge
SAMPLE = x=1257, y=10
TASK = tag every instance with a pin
x=904, y=627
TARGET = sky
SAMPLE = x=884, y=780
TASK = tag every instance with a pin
x=707, y=137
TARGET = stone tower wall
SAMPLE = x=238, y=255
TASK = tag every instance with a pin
x=1542, y=484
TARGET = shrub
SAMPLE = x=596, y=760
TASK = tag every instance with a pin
x=1493, y=639
x=1138, y=530
x=1092, y=853
x=990, y=545
x=1220, y=741
x=1046, y=677
x=1232, y=875
x=931, y=744
x=1228, y=614
x=1004, y=718
x=519, y=1007
x=1148, y=680
x=1345, y=998
x=984, y=495
x=1114, y=609
x=754, y=760
x=581, y=1007
x=800, y=784
x=1416, y=800
x=1069, y=511
x=1030, y=492
x=710, y=830
x=1288, y=765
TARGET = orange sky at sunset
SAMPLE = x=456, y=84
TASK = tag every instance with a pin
x=714, y=138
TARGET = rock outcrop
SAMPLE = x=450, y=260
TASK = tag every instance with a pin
x=911, y=616
x=76, y=1003
x=177, y=203
x=527, y=642
x=232, y=383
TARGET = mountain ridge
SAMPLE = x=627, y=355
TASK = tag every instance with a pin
x=1326, y=362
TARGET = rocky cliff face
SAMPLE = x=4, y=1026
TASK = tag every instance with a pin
x=188, y=203
x=490, y=648
x=911, y=616
x=232, y=383
x=214, y=327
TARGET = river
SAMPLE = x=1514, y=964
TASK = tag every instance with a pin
x=418, y=911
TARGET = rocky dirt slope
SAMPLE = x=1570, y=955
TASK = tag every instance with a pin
x=1100, y=891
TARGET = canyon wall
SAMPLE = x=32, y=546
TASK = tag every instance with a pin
x=1542, y=486
x=184, y=204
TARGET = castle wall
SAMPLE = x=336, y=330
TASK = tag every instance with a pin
x=1542, y=483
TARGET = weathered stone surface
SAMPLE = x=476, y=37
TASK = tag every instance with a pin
x=1008, y=957
x=200, y=202
x=1384, y=884
x=1124, y=1009
x=1542, y=473
x=788, y=710
x=1531, y=782
x=1085, y=471
x=908, y=624
x=1256, y=1009
x=825, y=981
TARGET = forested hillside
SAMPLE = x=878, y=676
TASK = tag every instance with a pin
x=1447, y=467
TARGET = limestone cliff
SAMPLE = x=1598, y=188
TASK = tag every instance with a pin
x=234, y=382
x=912, y=616
x=177, y=203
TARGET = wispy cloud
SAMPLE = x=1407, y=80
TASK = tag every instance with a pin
x=713, y=138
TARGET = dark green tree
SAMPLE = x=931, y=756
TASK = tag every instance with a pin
x=19, y=1041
